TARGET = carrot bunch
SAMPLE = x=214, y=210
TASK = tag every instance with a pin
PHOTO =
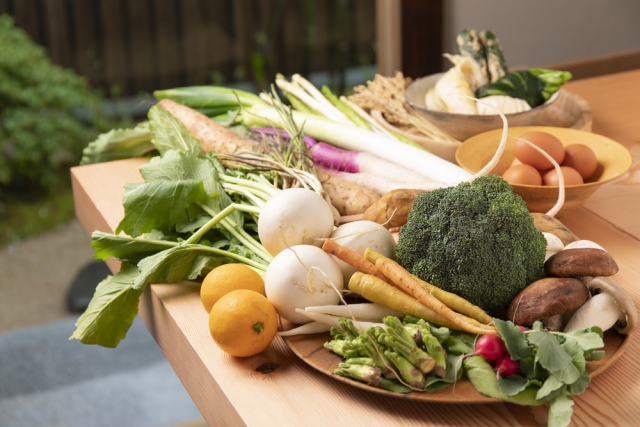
x=384, y=281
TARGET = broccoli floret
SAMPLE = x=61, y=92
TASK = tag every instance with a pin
x=476, y=240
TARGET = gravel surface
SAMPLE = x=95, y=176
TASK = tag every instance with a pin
x=37, y=273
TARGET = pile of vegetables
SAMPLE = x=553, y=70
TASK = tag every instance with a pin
x=256, y=184
x=480, y=70
x=521, y=366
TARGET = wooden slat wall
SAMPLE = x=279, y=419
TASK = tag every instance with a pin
x=137, y=46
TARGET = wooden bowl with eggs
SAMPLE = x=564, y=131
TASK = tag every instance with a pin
x=613, y=160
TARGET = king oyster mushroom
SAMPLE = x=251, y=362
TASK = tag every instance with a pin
x=609, y=306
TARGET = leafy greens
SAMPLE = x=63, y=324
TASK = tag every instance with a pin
x=179, y=224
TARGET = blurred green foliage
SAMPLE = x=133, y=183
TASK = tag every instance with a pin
x=47, y=115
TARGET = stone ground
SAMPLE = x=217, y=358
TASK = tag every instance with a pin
x=35, y=277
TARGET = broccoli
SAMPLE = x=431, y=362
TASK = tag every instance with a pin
x=476, y=240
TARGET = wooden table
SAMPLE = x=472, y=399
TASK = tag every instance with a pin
x=228, y=391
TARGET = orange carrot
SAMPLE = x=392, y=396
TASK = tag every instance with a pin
x=352, y=258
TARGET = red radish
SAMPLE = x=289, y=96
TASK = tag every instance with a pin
x=522, y=328
x=490, y=347
x=506, y=366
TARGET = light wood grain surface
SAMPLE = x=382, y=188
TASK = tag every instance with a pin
x=229, y=391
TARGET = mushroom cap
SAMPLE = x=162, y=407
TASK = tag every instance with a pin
x=607, y=285
x=580, y=262
x=545, y=298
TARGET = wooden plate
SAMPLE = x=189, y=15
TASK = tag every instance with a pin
x=310, y=348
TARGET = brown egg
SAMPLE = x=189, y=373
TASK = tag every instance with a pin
x=571, y=177
x=522, y=175
x=530, y=156
x=581, y=158
x=516, y=162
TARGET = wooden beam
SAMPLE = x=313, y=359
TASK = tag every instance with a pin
x=600, y=65
x=422, y=36
x=389, y=36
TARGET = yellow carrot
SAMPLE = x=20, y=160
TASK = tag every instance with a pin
x=407, y=283
x=381, y=292
x=453, y=301
x=352, y=258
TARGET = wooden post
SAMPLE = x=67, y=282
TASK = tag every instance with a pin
x=389, y=36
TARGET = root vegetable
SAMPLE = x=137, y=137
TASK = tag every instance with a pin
x=453, y=301
x=407, y=283
x=296, y=216
x=358, y=236
x=364, y=311
x=392, y=209
x=302, y=276
x=212, y=136
x=381, y=292
x=352, y=259
x=347, y=197
x=309, y=328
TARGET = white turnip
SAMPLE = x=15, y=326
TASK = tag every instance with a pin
x=302, y=276
x=296, y=216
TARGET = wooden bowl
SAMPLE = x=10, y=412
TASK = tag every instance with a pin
x=613, y=161
x=464, y=126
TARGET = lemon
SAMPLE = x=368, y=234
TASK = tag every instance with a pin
x=243, y=323
x=227, y=278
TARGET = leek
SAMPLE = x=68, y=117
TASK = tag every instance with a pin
x=256, y=113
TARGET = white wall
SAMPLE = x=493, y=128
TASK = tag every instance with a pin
x=535, y=33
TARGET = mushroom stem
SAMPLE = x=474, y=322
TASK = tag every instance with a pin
x=601, y=310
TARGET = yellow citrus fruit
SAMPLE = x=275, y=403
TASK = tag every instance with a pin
x=226, y=278
x=243, y=323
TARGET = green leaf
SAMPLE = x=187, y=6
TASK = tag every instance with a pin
x=587, y=339
x=581, y=385
x=153, y=205
x=118, y=144
x=453, y=372
x=125, y=248
x=111, y=311
x=548, y=389
x=553, y=357
x=560, y=411
x=514, y=339
x=170, y=134
x=594, y=355
x=514, y=384
x=527, y=367
x=483, y=378
x=459, y=343
x=577, y=354
x=176, y=264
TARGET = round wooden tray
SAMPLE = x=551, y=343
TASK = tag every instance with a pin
x=310, y=348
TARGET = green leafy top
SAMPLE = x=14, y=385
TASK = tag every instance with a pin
x=179, y=224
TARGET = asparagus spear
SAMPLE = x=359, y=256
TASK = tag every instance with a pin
x=400, y=340
x=344, y=348
x=406, y=369
x=370, y=375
